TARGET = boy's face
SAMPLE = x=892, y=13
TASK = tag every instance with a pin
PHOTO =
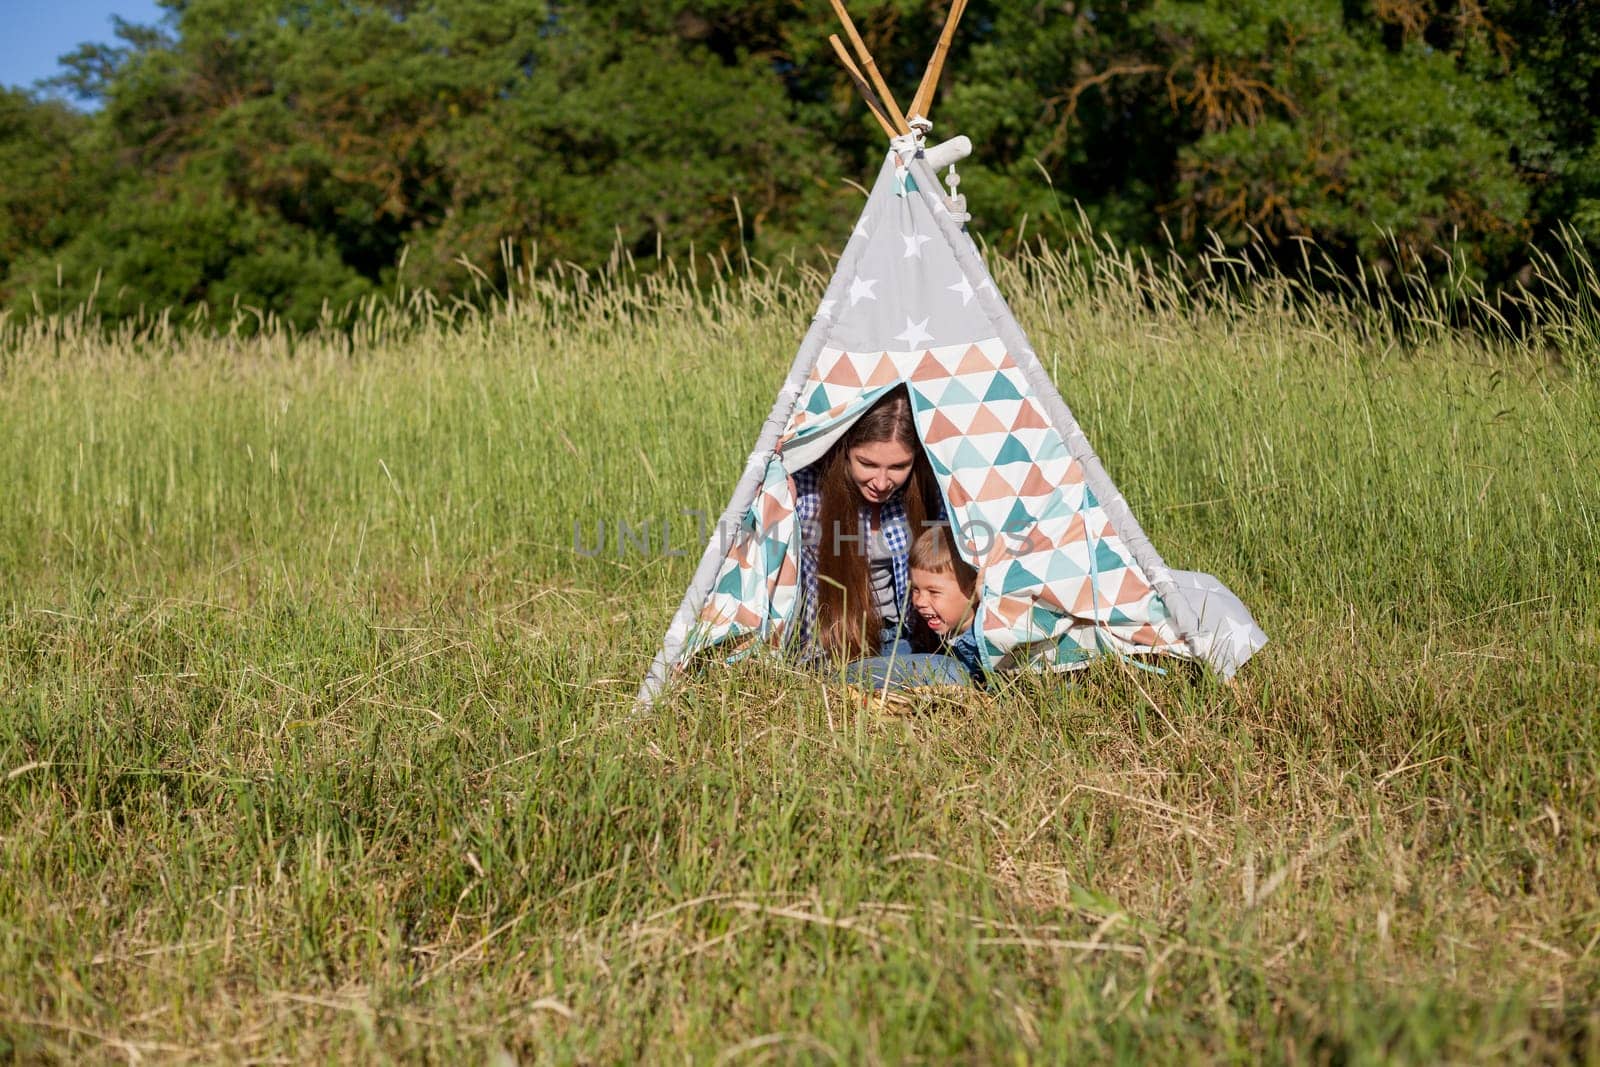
x=941, y=603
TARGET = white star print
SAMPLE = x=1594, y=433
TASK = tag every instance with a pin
x=963, y=287
x=825, y=308
x=914, y=243
x=915, y=333
x=861, y=289
x=861, y=231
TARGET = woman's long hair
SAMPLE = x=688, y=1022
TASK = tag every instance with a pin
x=848, y=623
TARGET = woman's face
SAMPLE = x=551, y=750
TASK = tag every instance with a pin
x=879, y=468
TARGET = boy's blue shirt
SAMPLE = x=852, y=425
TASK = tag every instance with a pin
x=965, y=649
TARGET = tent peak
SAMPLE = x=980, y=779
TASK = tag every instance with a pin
x=870, y=84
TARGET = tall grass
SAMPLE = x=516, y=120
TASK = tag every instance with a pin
x=316, y=737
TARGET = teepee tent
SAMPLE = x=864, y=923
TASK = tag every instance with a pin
x=1066, y=572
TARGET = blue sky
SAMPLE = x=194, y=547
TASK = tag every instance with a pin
x=39, y=31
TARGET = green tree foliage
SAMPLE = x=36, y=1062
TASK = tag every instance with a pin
x=287, y=155
x=44, y=193
x=1312, y=126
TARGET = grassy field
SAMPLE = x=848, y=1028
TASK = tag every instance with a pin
x=316, y=737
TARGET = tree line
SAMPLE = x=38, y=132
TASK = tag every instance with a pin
x=292, y=156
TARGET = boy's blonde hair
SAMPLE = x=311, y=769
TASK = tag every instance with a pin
x=935, y=551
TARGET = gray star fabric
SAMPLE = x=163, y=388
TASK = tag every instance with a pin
x=907, y=292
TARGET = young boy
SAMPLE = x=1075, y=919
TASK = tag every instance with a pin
x=944, y=595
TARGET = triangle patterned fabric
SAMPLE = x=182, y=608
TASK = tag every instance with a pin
x=1058, y=585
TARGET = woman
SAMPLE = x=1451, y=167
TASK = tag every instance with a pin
x=860, y=506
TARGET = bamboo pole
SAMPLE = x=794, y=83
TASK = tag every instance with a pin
x=923, y=101
x=874, y=105
x=870, y=67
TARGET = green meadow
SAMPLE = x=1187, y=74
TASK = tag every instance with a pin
x=317, y=740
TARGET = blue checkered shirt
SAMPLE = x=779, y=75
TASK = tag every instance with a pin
x=897, y=534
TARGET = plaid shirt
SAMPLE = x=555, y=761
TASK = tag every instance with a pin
x=897, y=534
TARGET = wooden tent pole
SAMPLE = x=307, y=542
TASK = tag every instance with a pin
x=923, y=101
x=874, y=105
x=870, y=67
